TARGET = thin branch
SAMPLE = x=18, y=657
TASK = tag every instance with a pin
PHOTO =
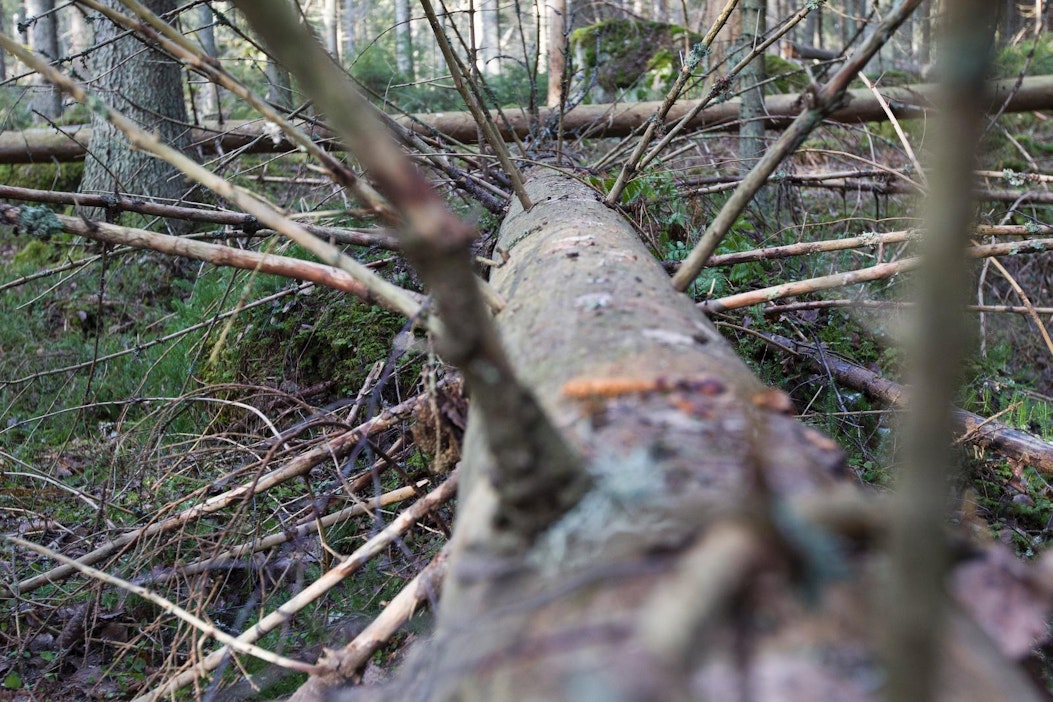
x=692, y=60
x=170, y=607
x=895, y=305
x=823, y=102
x=394, y=296
x=217, y=254
x=717, y=90
x=863, y=275
x=425, y=586
x=244, y=222
x=980, y=431
x=319, y=587
x=482, y=117
x=532, y=456
x=338, y=446
x=172, y=41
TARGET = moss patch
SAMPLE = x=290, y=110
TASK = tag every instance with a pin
x=631, y=54
x=43, y=176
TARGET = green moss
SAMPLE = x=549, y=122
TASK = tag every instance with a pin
x=628, y=54
x=43, y=176
x=322, y=336
x=784, y=76
x=34, y=253
x=1036, y=58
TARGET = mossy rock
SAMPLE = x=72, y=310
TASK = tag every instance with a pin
x=784, y=76
x=325, y=335
x=636, y=57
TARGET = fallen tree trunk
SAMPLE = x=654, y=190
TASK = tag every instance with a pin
x=690, y=570
x=618, y=120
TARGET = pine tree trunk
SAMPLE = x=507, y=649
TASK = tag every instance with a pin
x=490, y=36
x=555, y=31
x=403, y=39
x=207, y=94
x=751, y=82
x=43, y=38
x=147, y=87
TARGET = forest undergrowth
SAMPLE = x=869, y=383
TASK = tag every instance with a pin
x=178, y=420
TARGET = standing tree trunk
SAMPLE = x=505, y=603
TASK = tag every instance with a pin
x=403, y=40
x=43, y=38
x=727, y=37
x=3, y=54
x=349, y=21
x=331, y=25
x=660, y=10
x=78, y=40
x=279, y=84
x=490, y=35
x=555, y=32
x=146, y=86
x=751, y=82
x=207, y=96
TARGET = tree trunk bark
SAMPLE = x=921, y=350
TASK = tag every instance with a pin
x=751, y=81
x=727, y=37
x=555, y=31
x=683, y=573
x=331, y=26
x=403, y=39
x=3, y=54
x=147, y=87
x=80, y=38
x=349, y=32
x=43, y=38
x=207, y=97
x=490, y=36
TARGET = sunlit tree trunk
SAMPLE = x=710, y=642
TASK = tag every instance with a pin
x=555, y=31
x=660, y=10
x=207, y=95
x=724, y=41
x=488, y=34
x=331, y=25
x=403, y=39
x=3, y=64
x=78, y=38
x=279, y=84
x=43, y=38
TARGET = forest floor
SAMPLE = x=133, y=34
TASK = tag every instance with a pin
x=93, y=448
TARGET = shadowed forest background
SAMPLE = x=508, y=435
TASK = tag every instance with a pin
x=488, y=347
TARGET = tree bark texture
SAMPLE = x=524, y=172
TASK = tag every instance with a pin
x=43, y=38
x=489, y=13
x=146, y=86
x=556, y=32
x=751, y=81
x=684, y=573
x=906, y=102
x=206, y=96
